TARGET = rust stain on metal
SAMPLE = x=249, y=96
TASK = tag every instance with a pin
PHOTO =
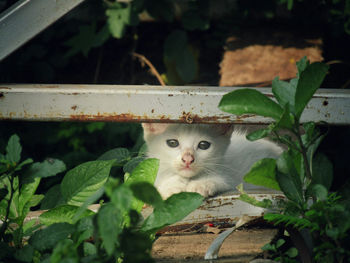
x=1, y=95
x=152, y=110
x=325, y=103
x=170, y=95
x=5, y=88
x=74, y=107
x=187, y=117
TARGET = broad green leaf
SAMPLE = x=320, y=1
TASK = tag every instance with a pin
x=280, y=242
x=116, y=21
x=286, y=120
x=284, y=93
x=25, y=254
x=26, y=193
x=309, y=81
x=14, y=205
x=84, y=180
x=146, y=171
x=132, y=164
x=64, y=252
x=302, y=64
x=109, y=221
x=48, y=237
x=13, y=149
x=62, y=214
x=175, y=208
x=82, y=210
x=250, y=101
x=53, y=198
x=119, y=154
x=174, y=44
x=24, y=163
x=186, y=65
x=292, y=252
x=322, y=171
x=263, y=173
x=258, y=134
x=319, y=191
x=89, y=249
x=122, y=197
x=290, y=187
x=49, y=167
x=288, y=178
x=147, y=193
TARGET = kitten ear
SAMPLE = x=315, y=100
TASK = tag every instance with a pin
x=224, y=129
x=153, y=128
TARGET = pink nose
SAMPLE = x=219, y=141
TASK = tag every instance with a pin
x=188, y=158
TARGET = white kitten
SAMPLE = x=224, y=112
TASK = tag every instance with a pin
x=202, y=158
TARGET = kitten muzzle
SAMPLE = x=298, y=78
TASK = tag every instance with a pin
x=187, y=159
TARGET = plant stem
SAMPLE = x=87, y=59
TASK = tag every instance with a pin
x=4, y=225
x=303, y=152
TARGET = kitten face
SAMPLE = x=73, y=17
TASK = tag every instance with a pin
x=187, y=150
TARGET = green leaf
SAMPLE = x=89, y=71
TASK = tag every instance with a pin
x=132, y=164
x=263, y=173
x=186, y=65
x=49, y=167
x=286, y=120
x=288, y=178
x=174, y=44
x=62, y=214
x=146, y=171
x=280, y=242
x=48, y=237
x=319, y=191
x=89, y=249
x=85, y=40
x=13, y=149
x=250, y=101
x=109, y=221
x=119, y=17
x=309, y=81
x=26, y=194
x=64, y=252
x=258, y=134
x=175, y=208
x=284, y=92
x=122, y=197
x=119, y=154
x=84, y=180
x=322, y=171
x=292, y=252
x=147, y=193
x=53, y=198
x=25, y=254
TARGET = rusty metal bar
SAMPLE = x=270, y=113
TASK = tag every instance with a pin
x=27, y=18
x=148, y=104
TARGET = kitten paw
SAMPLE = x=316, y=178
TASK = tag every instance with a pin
x=205, y=189
x=166, y=192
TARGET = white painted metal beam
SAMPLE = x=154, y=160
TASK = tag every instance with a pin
x=27, y=18
x=148, y=104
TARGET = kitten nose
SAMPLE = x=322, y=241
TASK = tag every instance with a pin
x=188, y=158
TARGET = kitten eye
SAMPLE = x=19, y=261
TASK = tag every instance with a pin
x=203, y=145
x=172, y=143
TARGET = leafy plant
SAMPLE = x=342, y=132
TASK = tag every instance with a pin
x=302, y=174
x=70, y=232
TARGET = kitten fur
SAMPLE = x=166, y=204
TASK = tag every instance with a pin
x=186, y=167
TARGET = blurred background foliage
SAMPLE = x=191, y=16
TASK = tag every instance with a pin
x=183, y=39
